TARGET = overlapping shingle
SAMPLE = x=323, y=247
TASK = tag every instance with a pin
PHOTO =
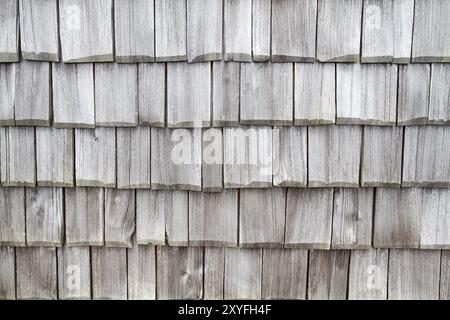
x=119, y=217
x=12, y=217
x=237, y=33
x=9, y=38
x=74, y=273
x=261, y=30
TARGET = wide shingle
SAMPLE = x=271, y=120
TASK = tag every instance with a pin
x=74, y=273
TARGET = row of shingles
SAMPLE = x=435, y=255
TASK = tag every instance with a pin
x=292, y=218
x=162, y=30
x=222, y=94
x=144, y=272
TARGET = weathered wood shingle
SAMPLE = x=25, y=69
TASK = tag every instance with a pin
x=439, y=109
x=435, y=226
x=119, y=217
x=151, y=89
x=214, y=270
x=141, y=269
x=7, y=93
x=261, y=26
x=74, y=273
x=225, y=98
x=12, y=216
x=237, y=33
x=9, y=37
x=212, y=157
x=7, y=273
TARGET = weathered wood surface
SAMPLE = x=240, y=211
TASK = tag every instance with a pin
x=243, y=270
x=74, y=273
x=328, y=274
x=39, y=39
x=444, y=292
x=284, y=273
x=294, y=30
x=439, y=109
x=176, y=159
x=397, y=218
x=290, y=156
x=133, y=157
x=36, y=273
x=151, y=89
x=381, y=163
x=315, y=93
x=414, y=274
x=84, y=216
x=212, y=156
x=141, y=270
x=32, y=94
x=170, y=30
x=9, y=37
x=188, y=94
x=261, y=30
x=95, y=157
x=12, y=216
x=214, y=270
x=309, y=216
x=134, y=31
x=44, y=216
x=119, y=217
x=339, y=30
x=116, y=96
x=334, y=156
x=73, y=95
x=204, y=30
x=435, y=226
x=109, y=273
x=180, y=273
x=352, y=218
x=431, y=31
x=213, y=218
x=7, y=273
x=237, y=33
x=17, y=160
x=225, y=98
x=7, y=93
x=366, y=94
x=368, y=274
x=86, y=30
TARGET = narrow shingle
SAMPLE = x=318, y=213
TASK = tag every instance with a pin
x=9, y=37
x=237, y=35
x=12, y=217
x=261, y=25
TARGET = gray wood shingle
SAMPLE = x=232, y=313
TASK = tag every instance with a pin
x=12, y=217
x=151, y=89
x=214, y=270
x=435, y=226
x=237, y=33
x=261, y=25
x=141, y=269
x=119, y=217
x=74, y=273
x=225, y=98
x=444, y=292
x=9, y=37
x=7, y=93
x=439, y=109
x=7, y=273
x=212, y=157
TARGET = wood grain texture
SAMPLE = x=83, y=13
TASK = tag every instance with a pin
x=425, y=156
x=413, y=94
x=431, y=31
x=414, y=274
x=339, y=30
x=12, y=216
x=243, y=269
x=439, y=109
x=188, y=95
x=214, y=271
x=39, y=39
x=262, y=217
x=7, y=273
x=284, y=274
x=119, y=217
x=237, y=31
x=180, y=273
x=213, y=218
x=261, y=25
x=387, y=31
x=204, y=30
x=84, y=216
x=54, y=157
x=7, y=93
x=176, y=159
x=116, y=95
x=398, y=214
x=309, y=218
x=212, y=156
x=247, y=157
x=444, y=292
x=352, y=218
x=315, y=93
x=109, y=273
x=267, y=94
x=225, y=100
x=435, y=227
x=170, y=30
x=36, y=273
x=381, y=156
x=73, y=95
x=366, y=94
x=9, y=37
x=44, y=216
x=74, y=273
x=151, y=89
x=95, y=157
x=328, y=274
x=32, y=94
x=141, y=270
x=334, y=156
x=17, y=167
x=134, y=31
x=290, y=156
x=294, y=31
x=133, y=158
x=86, y=30
x=368, y=274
